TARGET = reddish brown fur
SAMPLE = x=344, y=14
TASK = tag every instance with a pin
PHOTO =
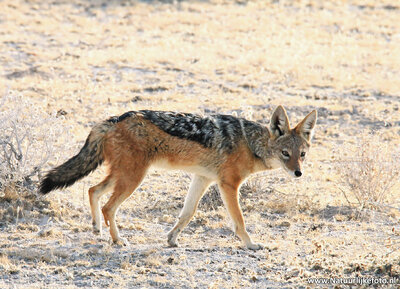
x=129, y=150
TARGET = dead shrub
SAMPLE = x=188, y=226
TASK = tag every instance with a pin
x=27, y=137
x=211, y=199
x=369, y=169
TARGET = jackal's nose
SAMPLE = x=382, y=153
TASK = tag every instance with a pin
x=297, y=173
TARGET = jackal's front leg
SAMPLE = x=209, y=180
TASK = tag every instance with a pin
x=229, y=194
x=197, y=188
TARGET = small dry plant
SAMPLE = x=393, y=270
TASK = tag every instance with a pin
x=27, y=136
x=369, y=170
x=211, y=199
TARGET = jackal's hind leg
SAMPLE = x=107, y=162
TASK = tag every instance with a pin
x=95, y=194
x=123, y=188
x=197, y=188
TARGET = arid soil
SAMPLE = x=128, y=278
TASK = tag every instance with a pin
x=85, y=61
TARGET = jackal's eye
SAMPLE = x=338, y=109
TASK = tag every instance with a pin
x=285, y=154
x=303, y=154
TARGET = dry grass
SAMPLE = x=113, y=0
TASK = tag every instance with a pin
x=27, y=139
x=88, y=60
x=369, y=170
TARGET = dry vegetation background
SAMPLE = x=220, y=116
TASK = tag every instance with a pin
x=68, y=64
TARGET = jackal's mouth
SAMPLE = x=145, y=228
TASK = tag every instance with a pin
x=293, y=173
x=290, y=172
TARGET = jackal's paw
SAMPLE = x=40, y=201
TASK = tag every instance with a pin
x=255, y=246
x=97, y=231
x=172, y=240
x=121, y=242
x=173, y=244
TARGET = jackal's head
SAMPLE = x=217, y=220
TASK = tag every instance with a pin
x=290, y=146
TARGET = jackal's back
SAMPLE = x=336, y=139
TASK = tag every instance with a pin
x=221, y=132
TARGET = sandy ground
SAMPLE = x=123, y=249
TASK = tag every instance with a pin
x=89, y=60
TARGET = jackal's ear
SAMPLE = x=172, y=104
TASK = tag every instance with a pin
x=306, y=126
x=279, y=122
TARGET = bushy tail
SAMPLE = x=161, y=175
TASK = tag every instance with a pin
x=79, y=166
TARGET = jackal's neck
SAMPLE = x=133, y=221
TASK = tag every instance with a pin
x=256, y=137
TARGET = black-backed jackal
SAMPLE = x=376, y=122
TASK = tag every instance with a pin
x=217, y=148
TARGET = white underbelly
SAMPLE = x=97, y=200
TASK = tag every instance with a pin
x=198, y=170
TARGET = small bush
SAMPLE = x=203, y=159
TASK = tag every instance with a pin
x=211, y=199
x=27, y=137
x=369, y=170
